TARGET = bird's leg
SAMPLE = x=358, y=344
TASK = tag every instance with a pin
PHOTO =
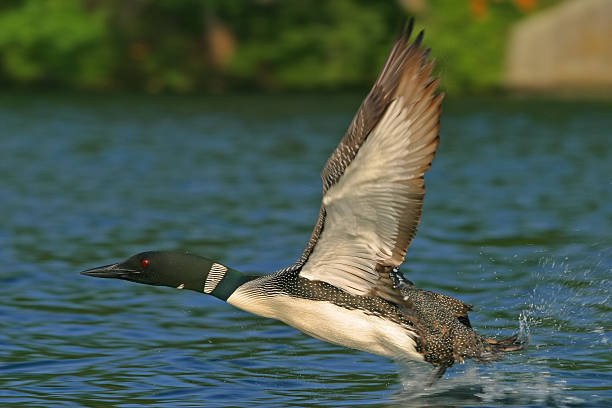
x=437, y=373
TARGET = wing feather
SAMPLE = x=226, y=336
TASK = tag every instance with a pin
x=373, y=185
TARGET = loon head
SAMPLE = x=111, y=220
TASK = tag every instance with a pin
x=160, y=268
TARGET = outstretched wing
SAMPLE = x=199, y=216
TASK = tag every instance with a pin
x=373, y=185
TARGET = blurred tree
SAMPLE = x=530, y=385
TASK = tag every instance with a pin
x=313, y=43
x=189, y=45
x=469, y=39
x=55, y=42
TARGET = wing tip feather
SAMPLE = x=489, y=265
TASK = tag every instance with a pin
x=408, y=27
x=419, y=39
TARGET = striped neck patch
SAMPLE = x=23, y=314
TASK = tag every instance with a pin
x=217, y=272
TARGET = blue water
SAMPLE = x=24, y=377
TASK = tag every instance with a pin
x=517, y=221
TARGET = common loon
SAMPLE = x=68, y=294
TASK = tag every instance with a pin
x=346, y=287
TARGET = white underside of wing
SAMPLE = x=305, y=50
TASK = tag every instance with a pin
x=376, y=199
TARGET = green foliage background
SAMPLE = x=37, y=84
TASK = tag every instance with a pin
x=164, y=45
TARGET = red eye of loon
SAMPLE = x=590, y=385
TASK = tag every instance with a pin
x=144, y=262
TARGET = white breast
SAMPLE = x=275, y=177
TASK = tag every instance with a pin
x=326, y=321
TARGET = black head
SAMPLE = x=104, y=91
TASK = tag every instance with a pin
x=161, y=268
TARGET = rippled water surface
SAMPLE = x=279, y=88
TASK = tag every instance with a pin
x=517, y=221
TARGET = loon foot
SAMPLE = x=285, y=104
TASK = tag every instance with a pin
x=436, y=374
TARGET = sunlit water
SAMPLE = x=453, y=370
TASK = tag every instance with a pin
x=517, y=221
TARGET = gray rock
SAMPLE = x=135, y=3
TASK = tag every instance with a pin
x=565, y=48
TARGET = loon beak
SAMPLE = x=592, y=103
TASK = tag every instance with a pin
x=110, y=271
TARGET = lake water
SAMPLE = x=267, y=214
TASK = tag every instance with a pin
x=517, y=221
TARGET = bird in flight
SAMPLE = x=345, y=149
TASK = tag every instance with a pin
x=346, y=287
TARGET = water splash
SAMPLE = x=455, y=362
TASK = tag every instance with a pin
x=524, y=328
x=472, y=385
x=571, y=297
x=567, y=305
